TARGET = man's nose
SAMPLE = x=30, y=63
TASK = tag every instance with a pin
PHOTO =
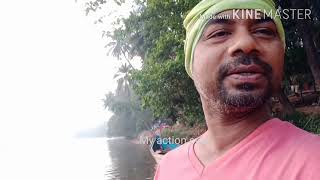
x=244, y=42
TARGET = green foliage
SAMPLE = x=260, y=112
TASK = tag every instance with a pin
x=154, y=27
x=307, y=122
x=183, y=136
x=128, y=118
x=168, y=91
x=123, y=80
x=296, y=60
x=154, y=32
x=162, y=83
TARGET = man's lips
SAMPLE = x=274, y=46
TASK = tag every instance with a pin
x=253, y=69
x=248, y=74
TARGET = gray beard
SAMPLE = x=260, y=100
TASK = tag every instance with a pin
x=218, y=98
x=244, y=98
x=243, y=101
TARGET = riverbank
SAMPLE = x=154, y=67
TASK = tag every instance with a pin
x=177, y=132
x=157, y=157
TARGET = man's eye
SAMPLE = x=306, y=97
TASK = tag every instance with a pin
x=219, y=34
x=265, y=32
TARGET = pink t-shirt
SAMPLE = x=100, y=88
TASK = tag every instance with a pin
x=277, y=150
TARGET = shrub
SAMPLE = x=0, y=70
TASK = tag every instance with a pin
x=179, y=135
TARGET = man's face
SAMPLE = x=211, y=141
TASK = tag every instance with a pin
x=238, y=62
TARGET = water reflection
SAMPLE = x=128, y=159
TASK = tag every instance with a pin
x=128, y=161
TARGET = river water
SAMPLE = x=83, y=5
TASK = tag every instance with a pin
x=128, y=161
x=75, y=159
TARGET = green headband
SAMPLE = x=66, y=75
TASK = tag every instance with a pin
x=195, y=21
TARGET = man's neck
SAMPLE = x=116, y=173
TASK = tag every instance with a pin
x=225, y=131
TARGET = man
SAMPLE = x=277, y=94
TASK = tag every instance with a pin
x=236, y=64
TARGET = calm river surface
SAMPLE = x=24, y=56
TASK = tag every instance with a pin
x=128, y=161
x=74, y=159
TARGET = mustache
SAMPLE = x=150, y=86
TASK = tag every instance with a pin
x=246, y=60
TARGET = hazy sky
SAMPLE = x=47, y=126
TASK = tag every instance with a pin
x=54, y=73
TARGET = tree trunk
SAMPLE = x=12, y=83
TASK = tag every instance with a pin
x=304, y=27
x=287, y=106
x=311, y=51
x=127, y=59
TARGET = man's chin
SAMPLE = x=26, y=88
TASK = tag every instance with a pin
x=239, y=110
x=243, y=102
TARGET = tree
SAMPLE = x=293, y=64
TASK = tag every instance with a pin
x=123, y=80
x=154, y=32
x=301, y=53
x=305, y=27
x=163, y=84
x=129, y=118
x=118, y=47
x=167, y=90
x=302, y=35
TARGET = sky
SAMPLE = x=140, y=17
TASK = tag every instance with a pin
x=54, y=73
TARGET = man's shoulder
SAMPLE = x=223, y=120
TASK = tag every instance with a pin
x=300, y=135
x=178, y=154
x=304, y=143
x=307, y=142
x=306, y=151
x=286, y=140
x=175, y=163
